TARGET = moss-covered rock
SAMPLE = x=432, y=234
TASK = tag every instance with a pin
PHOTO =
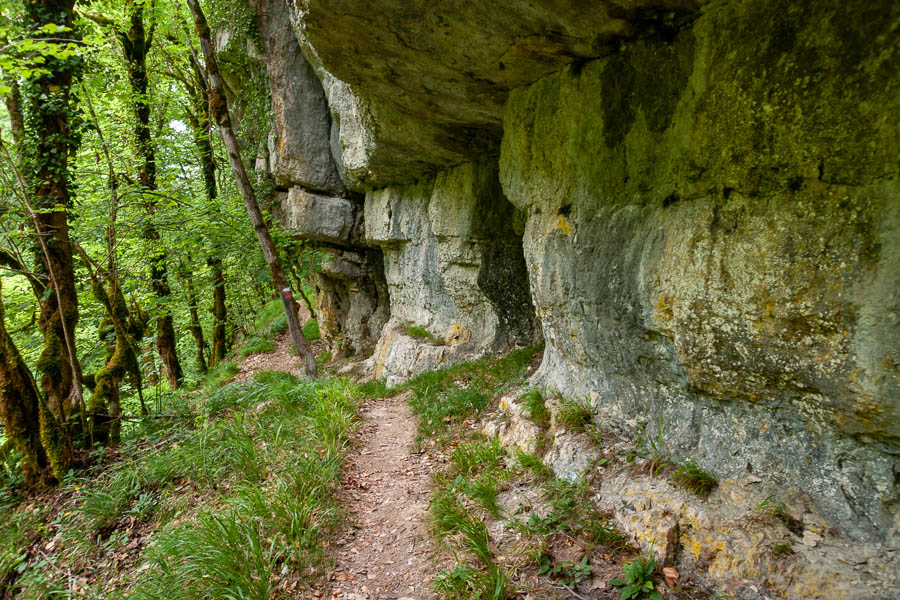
x=712, y=237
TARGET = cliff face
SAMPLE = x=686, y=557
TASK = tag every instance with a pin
x=696, y=205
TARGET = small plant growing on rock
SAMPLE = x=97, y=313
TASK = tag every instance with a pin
x=782, y=548
x=638, y=580
x=534, y=464
x=566, y=572
x=537, y=409
x=694, y=479
x=779, y=511
x=651, y=447
x=575, y=414
x=420, y=333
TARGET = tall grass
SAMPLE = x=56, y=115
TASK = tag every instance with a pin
x=224, y=501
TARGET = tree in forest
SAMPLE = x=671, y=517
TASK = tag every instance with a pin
x=136, y=41
x=218, y=110
x=50, y=137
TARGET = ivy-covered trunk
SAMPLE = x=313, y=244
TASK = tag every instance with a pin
x=50, y=138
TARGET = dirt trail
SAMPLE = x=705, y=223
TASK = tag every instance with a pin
x=279, y=359
x=385, y=553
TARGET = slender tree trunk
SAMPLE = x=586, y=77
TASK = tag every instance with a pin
x=200, y=129
x=136, y=42
x=220, y=313
x=195, y=327
x=219, y=112
x=14, y=110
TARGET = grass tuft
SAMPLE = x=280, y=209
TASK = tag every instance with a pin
x=415, y=331
x=575, y=414
x=694, y=479
x=537, y=408
x=256, y=344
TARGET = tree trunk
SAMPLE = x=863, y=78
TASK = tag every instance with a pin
x=48, y=111
x=218, y=110
x=19, y=405
x=220, y=313
x=200, y=129
x=195, y=327
x=136, y=44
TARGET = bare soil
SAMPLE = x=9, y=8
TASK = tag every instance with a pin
x=385, y=552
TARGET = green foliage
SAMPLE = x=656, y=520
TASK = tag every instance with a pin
x=221, y=373
x=566, y=572
x=782, y=549
x=226, y=498
x=450, y=518
x=440, y=402
x=271, y=320
x=575, y=414
x=311, y=330
x=256, y=345
x=693, y=478
x=468, y=458
x=652, y=447
x=534, y=464
x=418, y=332
x=638, y=580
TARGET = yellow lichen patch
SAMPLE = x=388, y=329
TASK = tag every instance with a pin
x=664, y=310
x=563, y=225
x=382, y=356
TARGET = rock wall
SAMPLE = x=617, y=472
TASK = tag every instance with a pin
x=454, y=266
x=712, y=242
x=352, y=304
x=704, y=197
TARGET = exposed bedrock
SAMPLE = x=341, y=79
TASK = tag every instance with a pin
x=704, y=197
x=419, y=85
x=712, y=241
x=352, y=304
x=454, y=267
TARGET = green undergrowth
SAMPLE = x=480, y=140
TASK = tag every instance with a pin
x=269, y=324
x=232, y=499
x=419, y=332
x=443, y=399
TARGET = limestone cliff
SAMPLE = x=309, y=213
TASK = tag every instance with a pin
x=695, y=204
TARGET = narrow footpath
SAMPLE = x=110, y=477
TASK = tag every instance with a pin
x=384, y=552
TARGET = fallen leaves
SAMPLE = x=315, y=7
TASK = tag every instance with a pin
x=671, y=574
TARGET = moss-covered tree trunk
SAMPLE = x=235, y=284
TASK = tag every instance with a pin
x=220, y=313
x=136, y=42
x=49, y=140
x=195, y=327
x=20, y=405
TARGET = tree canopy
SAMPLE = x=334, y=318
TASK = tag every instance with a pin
x=128, y=265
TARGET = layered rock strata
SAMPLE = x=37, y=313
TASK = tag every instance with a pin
x=351, y=295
